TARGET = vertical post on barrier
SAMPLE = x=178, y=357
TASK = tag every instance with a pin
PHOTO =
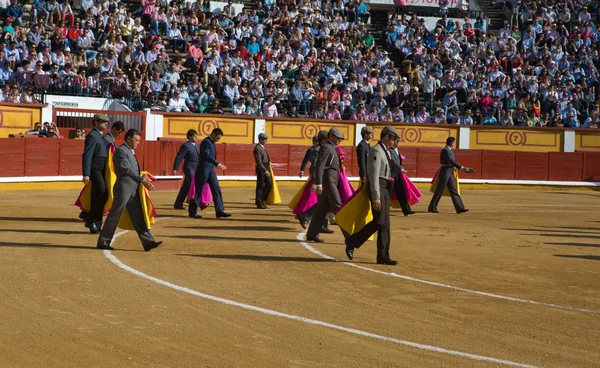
x=569, y=141
x=259, y=127
x=464, y=137
x=357, y=137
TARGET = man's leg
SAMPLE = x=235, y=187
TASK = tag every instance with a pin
x=201, y=179
x=260, y=183
x=137, y=219
x=318, y=218
x=383, y=235
x=99, y=197
x=185, y=188
x=456, y=200
x=401, y=195
x=215, y=189
x=112, y=221
x=439, y=190
x=267, y=188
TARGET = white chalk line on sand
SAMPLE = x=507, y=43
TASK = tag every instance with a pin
x=300, y=238
x=108, y=254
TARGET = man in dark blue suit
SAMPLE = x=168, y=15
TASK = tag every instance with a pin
x=205, y=173
x=188, y=152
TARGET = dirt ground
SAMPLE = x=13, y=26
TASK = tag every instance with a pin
x=66, y=304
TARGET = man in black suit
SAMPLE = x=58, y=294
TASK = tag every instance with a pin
x=446, y=179
x=325, y=183
x=188, y=152
x=205, y=173
x=117, y=128
x=362, y=151
x=397, y=171
x=127, y=195
x=264, y=182
x=94, y=163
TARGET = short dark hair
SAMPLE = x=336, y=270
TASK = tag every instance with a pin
x=450, y=140
x=191, y=133
x=118, y=125
x=132, y=133
x=217, y=131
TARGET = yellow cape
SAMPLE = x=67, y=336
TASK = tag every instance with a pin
x=294, y=202
x=274, y=197
x=85, y=197
x=436, y=180
x=356, y=213
x=147, y=209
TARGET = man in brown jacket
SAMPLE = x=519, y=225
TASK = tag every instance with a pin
x=263, y=171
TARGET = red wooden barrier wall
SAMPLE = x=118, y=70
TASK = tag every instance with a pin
x=52, y=157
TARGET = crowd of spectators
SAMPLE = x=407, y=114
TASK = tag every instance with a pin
x=310, y=57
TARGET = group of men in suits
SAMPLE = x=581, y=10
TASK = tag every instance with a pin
x=95, y=154
x=199, y=164
x=125, y=189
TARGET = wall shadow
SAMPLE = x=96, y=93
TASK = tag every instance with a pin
x=251, y=257
x=588, y=257
x=236, y=227
x=42, y=219
x=576, y=244
x=213, y=237
x=45, y=245
x=47, y=231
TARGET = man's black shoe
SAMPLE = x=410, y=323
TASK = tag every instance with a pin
x=152, y=245
x=302, y=221
x=409, y=213
x=325, y=230
x=196, y=216
x=223, y=214
x=463, y=211
x=433, y=211
x=178, y=208
x=349, y=250
x=94, y=229
x=316, y=240
x=388, y=261
x=104, y=247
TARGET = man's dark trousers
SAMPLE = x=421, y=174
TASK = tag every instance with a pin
x=188, y=174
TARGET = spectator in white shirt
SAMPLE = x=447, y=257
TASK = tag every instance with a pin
x=239, y=108
x=270, y=108
x=176, y=103
x=231, y=93
x=175, y=37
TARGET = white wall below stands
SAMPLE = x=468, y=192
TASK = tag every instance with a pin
x=75, y=102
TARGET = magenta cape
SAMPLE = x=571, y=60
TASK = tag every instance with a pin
x=206, y=197
x=304, y=199
x=411, y=192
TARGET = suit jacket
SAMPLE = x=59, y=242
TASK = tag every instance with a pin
x=95, y=147
x=127, y=170
x=261, y=158
x=447, y=158
x=362, y=151
x=396, y=162
x=109, y=138
x=188, y=152
x=314, y=156
x=328, y=164
x=307, y=157
x=208, y=154
x=378, y=167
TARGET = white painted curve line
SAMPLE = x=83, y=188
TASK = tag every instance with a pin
x=311, y=321
x=300, y=238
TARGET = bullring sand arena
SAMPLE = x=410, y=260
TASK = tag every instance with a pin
x=514, y=282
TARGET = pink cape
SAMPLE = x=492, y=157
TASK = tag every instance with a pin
x=410, y=190
x=344, y=187
x=307, y=199
x=206, y=197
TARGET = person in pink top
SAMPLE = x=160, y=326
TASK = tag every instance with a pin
x=195, y=56
x=147, y=12
x=270, y=108
x=334, y=113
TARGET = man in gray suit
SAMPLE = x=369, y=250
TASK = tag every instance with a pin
x=264, y=182
x=127, y=196
x=117, y=128
x=378, y=171
x=446, y=179
x=325, y=183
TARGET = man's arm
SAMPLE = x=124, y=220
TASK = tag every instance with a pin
x=180, y=156
x=374, y=167
x=121, y=161
x=88, y=154
x=306, y=159
x=205, y=153
x=361, y=156
x=258, y=159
